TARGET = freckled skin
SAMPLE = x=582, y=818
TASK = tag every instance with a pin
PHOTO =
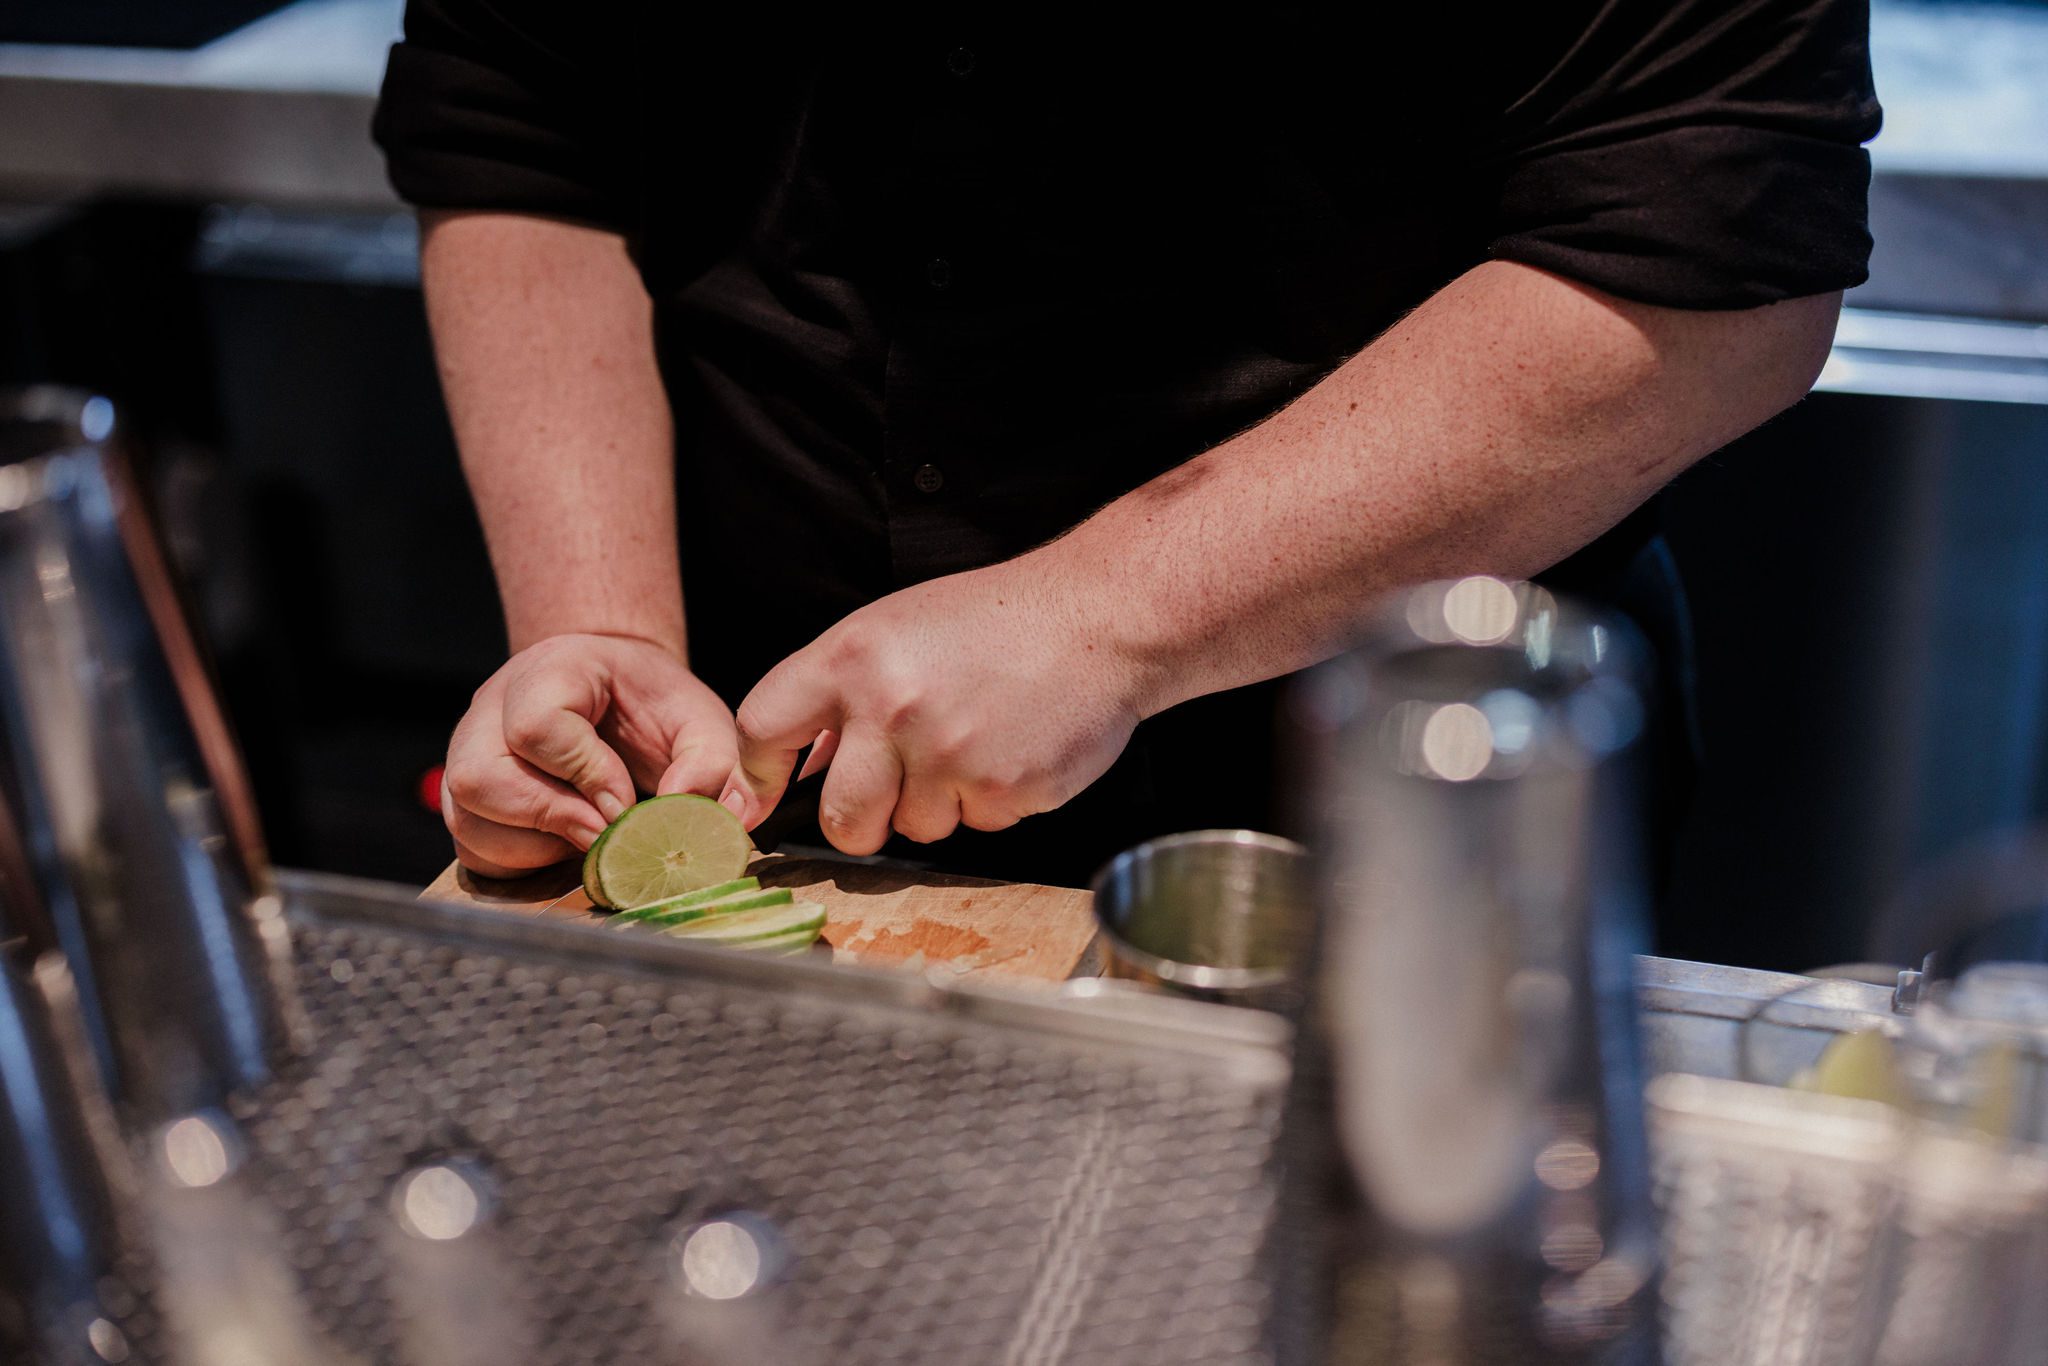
x=1508, y=420
x=575, y=485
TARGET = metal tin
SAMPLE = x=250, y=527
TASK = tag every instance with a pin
x=1215, y=915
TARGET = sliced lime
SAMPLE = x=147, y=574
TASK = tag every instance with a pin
x=705, y=910
x=768, y=923
x=590, y=887
x=1862, y=1065
x=782, y=945
x=696, y=898
x=663, y=847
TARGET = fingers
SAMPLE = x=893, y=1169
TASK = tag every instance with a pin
x=673, y=732
x=505, y=790
x=700, y=766
x=484, y=780
x=861, y=790
x=503, y=850
x=980, y=812
x=553, y=743
x=549, y=722
x=785, y=711
x=927, y=811
x=822, y=750
x=493, y=850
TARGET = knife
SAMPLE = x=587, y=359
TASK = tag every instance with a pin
x=797, y=809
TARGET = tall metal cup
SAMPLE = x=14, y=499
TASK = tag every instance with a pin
x=135, y=818
x=1466, y=1128
x=60, y=1238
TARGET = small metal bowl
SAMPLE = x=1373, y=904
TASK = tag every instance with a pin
x=1217, y=915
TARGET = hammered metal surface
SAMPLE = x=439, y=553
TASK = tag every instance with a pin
x=1809, y=1230
x=952, y=1190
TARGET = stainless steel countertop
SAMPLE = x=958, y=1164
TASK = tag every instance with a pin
x=277, y=112
x=1965, y=89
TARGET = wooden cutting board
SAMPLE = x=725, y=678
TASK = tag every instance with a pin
x=878, y=916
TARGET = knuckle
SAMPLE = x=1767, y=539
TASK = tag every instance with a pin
x=951, y=746
x=851, y=646
x=546, y=651
x=902, y=712
x=988, y=825
x=848, y=830
x=466, y=786
x=536, y=811
x=1006, y=783
x=525, y=730
x=747, y=724
x=921, y=829
x=476, y=834
x=583, y=769
x=982, y=809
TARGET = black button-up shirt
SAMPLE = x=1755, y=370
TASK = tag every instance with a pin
x=933, y=286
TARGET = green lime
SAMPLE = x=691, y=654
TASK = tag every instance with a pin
x=663, y=914
x=779, y=923
x=781, y=945
x=662, y=848
x=590, y=887
x=697, y=898
x=1862, y=1065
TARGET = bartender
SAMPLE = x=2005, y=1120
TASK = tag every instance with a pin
x=1017, y=395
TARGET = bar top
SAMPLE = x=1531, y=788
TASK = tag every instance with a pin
x=276, y=112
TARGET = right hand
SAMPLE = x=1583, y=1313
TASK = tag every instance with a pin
x=556, y=743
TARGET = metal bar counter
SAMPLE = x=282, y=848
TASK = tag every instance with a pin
x=925, y=1171
x=277, y=112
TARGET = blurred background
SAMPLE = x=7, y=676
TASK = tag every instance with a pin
x=193, y=220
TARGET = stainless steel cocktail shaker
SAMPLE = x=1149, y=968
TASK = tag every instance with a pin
x=1466, y=1132
x=136, y=823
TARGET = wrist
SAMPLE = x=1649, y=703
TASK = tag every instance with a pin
x=668, y=639
x=1117, y=623
x=670, y=643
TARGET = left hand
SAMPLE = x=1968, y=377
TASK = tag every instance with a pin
x=976, y=699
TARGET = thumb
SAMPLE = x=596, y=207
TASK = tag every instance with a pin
x=783, y=713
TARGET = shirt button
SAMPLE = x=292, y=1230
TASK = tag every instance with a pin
x=960, y=61
x=938, y=272
x=927, y=479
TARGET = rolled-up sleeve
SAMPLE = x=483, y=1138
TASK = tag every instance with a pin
x=504, y=105
x=1694, y=153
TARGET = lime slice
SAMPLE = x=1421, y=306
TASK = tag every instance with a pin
x=590, y=887
x=781, y=945
x=697, y=898
x=771, y=922
x=661, y=919
x=663, y=847
x=1862, y=1066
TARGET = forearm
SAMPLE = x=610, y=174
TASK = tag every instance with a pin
x=1505, y=423
x=544, y=338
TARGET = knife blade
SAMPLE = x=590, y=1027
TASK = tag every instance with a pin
x=797, y=809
